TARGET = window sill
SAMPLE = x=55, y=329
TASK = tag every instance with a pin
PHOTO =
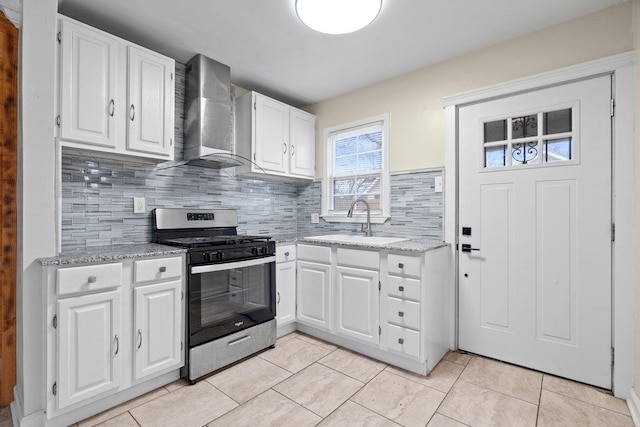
x=356, y=219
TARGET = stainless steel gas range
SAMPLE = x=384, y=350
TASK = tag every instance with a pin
x=230, y=301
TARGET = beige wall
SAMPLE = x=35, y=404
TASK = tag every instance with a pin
x=636, y=310
x=414, y=100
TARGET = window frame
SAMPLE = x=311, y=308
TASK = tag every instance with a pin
x=328, y=163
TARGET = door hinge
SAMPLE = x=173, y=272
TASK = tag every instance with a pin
x=181, y=345
x=254, y=157
x=55, y=321
x=613, y=355
x=59, y=37
x=379, y=286
x=171, y=76
x=171, y=141
x=613, y=232
x=612, y=106
x=379, y=330
x=58, y=121
x=255, y=105
x=54, y=389
x=181, y=296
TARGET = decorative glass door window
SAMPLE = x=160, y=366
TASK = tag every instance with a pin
x=533, y=139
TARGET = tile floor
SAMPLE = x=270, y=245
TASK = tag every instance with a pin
x=306, y=382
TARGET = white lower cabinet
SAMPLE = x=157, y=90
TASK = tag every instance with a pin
x=89, y=356
x=111, y=327
x=157, y=327
x=314, y=294
x=357, y=304
x=386, y=305
x=285, y=284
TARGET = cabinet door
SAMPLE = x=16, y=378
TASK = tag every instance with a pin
x=157, y=328
x=285, y=292
x=89, y=346
x=302, y=141
x=314, y=294
x=88, y=68
x=358, y=304
x=272, y=134
x=150, y=102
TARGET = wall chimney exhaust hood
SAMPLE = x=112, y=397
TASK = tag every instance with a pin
x=208, y=135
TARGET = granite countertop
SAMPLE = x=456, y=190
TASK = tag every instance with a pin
x=110, y=253
x=414, y=245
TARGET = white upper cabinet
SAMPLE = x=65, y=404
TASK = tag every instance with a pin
x=115, y=97
x=277, y=138
x=150, y=96
x=88, y=85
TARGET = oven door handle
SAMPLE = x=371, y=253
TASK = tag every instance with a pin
x=229, y=265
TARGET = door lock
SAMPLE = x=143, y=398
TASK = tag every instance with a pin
x=467, y=248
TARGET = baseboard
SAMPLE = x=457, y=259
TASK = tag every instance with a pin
x=17, y=414
x=634, y=407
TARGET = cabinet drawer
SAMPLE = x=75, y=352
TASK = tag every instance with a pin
x=404, y=265
x=315, y=253
x=358, y=258
x=403, y=287
x=89, y=278
x=285, y=253
x=403, y=340
x=403, y=313
x=157, y=269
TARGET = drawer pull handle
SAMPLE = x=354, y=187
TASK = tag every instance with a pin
x=401, y=288
x=92, y=279
x=401, y=314
x=286, y=254
x=163, y=269
x=400, y=265
x=139, y=338
x=400, y=340
x=117, y=345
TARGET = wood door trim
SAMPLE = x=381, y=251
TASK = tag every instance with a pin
x=8, y=194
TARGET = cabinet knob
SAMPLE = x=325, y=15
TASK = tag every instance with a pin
x=112, y=107
x=400, y=265
x=92, y=279
x=163, y=269
x=286, y=253
x=401, y=288
x=132, y=112
x=400, y=340
x=401, y=314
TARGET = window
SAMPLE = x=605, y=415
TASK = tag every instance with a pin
x=356, y=166
x=534, y=139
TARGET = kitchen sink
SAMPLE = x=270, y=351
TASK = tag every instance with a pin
x=356, y=238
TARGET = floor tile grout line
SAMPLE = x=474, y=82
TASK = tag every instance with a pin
x=539, y=400
x=298, y=404
x=124, y=403
x=499, y=392
x=584, y=401
x=425, y=385
x=362, y=406
x=345, y=374
x=587, y=403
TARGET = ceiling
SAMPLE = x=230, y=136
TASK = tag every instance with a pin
x=269, y=50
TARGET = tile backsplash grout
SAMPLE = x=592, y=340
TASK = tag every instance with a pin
x=97, y=198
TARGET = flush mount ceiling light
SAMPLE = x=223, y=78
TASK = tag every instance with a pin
x=337, y=16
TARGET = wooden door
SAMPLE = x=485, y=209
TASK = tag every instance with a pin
x=8, y=180
x=150, y=94
x=535, y=230
x=157, y=328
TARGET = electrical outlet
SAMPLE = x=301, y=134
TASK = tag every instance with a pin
x=438, y=184
x=139, y=205
x=315, y=218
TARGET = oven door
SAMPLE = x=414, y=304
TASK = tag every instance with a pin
x=227, y=297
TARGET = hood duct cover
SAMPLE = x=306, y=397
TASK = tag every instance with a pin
x=208, y=114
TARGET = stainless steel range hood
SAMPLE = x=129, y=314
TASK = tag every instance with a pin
x=208, y=115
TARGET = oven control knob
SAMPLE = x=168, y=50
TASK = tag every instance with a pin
x=263, y=250
x=207, y=256
x=219, y=255
x=254, y=251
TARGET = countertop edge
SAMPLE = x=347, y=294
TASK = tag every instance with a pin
x=406, y=246
x=110, y=253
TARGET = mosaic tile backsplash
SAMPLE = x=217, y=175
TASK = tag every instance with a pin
x=97, y=199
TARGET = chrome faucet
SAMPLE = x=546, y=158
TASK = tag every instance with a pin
x=366, y=231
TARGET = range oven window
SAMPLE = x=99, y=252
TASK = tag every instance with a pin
x=229, y=299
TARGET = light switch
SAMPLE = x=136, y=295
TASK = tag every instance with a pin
x=438, y=184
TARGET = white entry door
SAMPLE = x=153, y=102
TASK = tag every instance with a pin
x=535, y=230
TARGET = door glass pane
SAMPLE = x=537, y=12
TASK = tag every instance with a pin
x=557, y=121
x=557, y=150
x=525, y=126
x=494, y=156
x=524, y=153
x=495, y=131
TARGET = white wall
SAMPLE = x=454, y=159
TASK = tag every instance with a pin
x=636, y=311
x=414, y=100
x=36, y=192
